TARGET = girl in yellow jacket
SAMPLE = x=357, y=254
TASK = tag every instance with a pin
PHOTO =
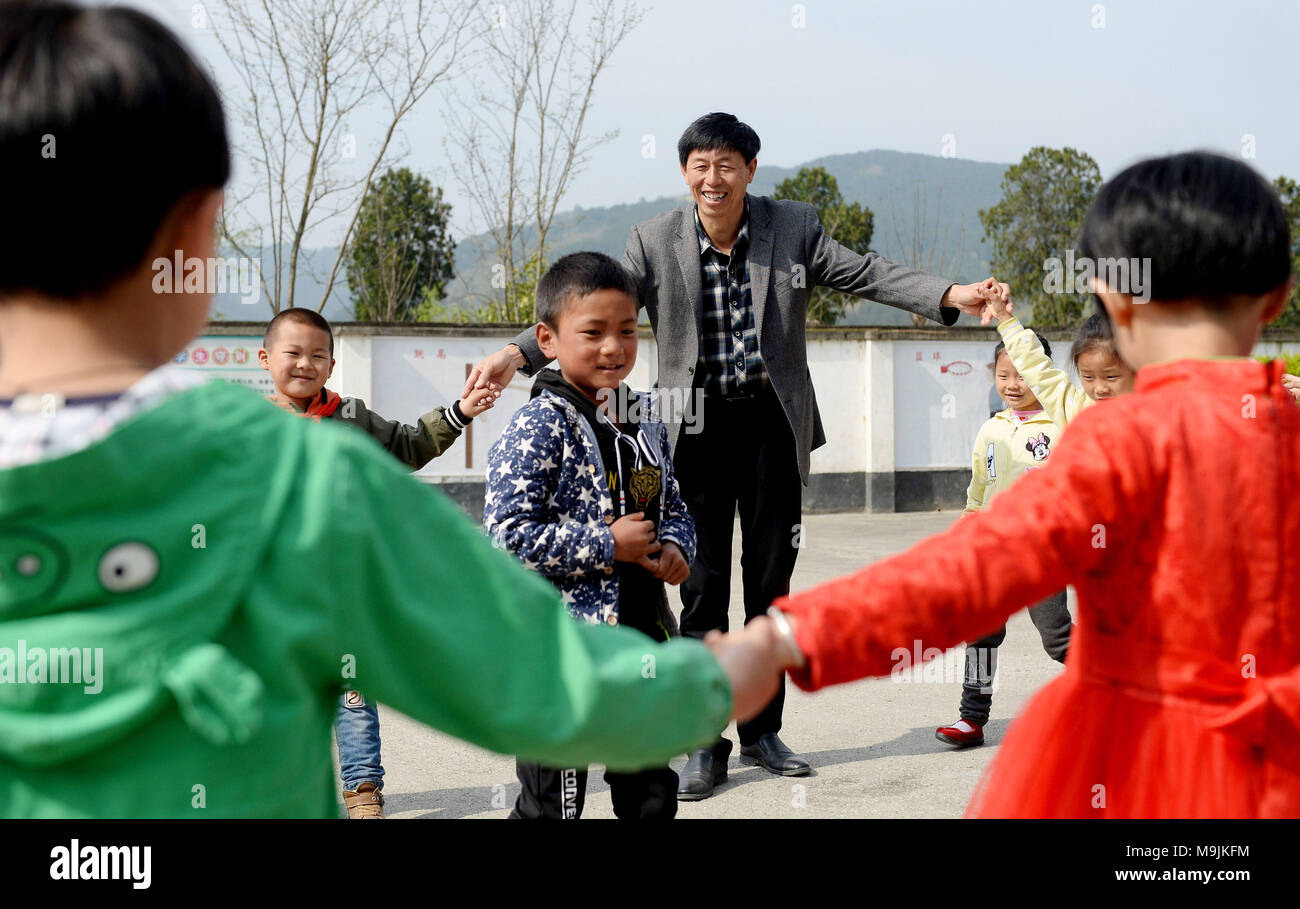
x=1103, y=374
x=1013, y=441
x=1024, y=358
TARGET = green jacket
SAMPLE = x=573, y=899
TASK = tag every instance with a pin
x=414, y=446
x=236, y=570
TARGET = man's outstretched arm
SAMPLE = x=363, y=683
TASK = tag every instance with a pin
x=497, y=369
x=874, y=277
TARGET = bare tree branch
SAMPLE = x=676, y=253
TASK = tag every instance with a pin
x=307, y=66
x=923, y=249
x=518, y=141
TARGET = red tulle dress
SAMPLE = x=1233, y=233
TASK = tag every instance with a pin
x=1174, y=513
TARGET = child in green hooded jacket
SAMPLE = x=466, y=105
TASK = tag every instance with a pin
x=188, y=578
x=298, y=351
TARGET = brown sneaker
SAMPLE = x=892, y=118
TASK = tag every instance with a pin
x=366, y=802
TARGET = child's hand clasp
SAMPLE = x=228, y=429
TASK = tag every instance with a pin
x=671, y=567
x=993, y=300
x=479, y=400
x=634, y=538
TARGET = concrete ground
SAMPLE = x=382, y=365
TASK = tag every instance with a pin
x=871, y=744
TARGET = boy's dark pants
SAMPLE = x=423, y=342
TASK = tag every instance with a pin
x=744, y=458
x=555, y=792
x=1052, y=619
x=550, y=792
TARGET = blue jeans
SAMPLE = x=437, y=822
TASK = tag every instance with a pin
x=356, y=727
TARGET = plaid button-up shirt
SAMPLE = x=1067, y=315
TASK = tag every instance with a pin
x=729, y=349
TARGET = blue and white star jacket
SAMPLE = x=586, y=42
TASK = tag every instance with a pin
x=548, y=500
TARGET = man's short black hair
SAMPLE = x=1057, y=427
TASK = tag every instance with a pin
x=1210, y=225
x=298, y=314
x=573, y=277
x=718, y=132
x=106, y=122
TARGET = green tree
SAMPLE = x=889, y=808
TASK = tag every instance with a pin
x=1289, y=191
x=849, y=225
x=400, y=255
x=519, y=304
x=1044, y=200
x=517, y=134
x=300, y=73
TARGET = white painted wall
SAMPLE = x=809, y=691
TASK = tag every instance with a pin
x=941, y=398
x=940, y=401
x=886, y=404
x=232, y=357
x=413, y=375
x=839, y=375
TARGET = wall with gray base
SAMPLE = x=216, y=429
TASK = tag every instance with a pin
x=901, y=406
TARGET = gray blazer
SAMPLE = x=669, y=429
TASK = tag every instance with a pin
x=789, y=255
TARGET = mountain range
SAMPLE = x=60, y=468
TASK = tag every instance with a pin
x=926, y=214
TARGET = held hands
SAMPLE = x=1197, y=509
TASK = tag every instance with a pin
x=754, y=659
x=996, y=303
x=1292, y=384
x=671, y=566
x=634, y=538
x=972, y=299
x=478, y=400
x=494, y=371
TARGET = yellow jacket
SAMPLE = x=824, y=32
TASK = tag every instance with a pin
x=1004, y=449
x=1061, y=400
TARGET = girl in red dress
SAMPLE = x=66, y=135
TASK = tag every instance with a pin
x=1170, y=512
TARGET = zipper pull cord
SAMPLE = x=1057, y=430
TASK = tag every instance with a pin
x=618, y=459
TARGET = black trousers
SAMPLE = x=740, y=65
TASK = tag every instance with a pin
x=1052, y=619
x=553, y=792
x=743, y=458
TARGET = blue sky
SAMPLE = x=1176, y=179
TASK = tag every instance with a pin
x=998, y=77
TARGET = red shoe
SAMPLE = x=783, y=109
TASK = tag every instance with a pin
x=959, y=737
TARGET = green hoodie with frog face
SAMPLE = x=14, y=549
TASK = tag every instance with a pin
x=222, y=570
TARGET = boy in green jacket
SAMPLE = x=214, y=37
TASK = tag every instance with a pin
x=298, y=352
x=188, y=579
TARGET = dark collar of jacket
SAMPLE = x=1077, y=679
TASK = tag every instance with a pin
x=706, y=242
x=551, y=380
x=758, y=256
x=580, y=412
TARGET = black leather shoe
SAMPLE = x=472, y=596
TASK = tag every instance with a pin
x=770, y=753
x=705, y=770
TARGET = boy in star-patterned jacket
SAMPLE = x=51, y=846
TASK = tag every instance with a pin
x=580, y=487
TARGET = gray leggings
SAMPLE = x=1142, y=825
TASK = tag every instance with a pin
x=1052, y=619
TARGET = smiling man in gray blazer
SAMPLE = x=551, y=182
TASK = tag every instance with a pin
x=726, y=282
